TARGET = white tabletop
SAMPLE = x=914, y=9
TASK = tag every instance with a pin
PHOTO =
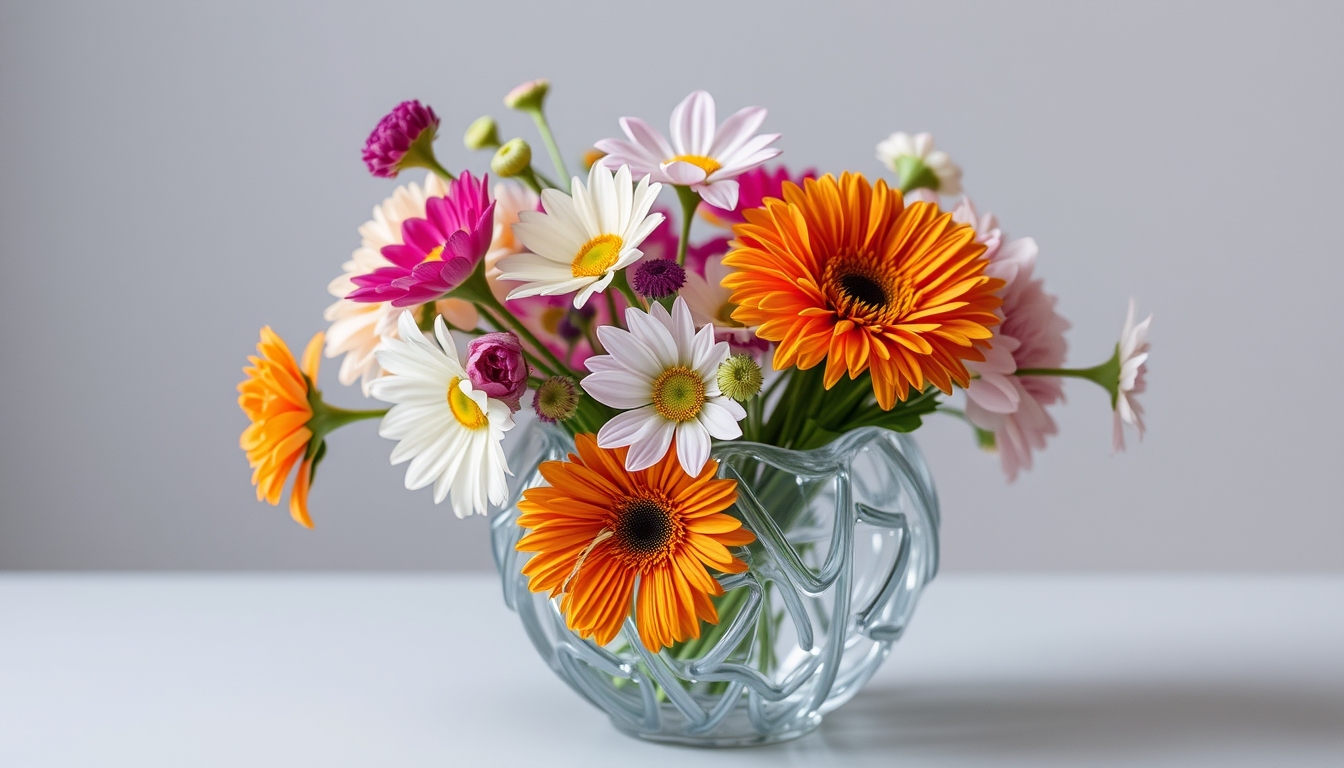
x=405, y=671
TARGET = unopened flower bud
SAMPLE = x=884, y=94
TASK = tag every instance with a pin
x=496, y=365
x=740, y=377
x=528, y=96
x=556, y=399
x=483, y=133
x=511, y=159
x=403, y=139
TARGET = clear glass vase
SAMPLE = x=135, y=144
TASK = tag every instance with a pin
x=847, y=537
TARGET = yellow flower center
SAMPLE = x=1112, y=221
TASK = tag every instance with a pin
x=706, y=164
x=464, y=409
x=678, y=394
x=597, y=256
x=434, y=255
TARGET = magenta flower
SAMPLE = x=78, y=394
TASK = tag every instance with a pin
x=753, y=187
x=408, y=129
x=437, y=252
x=495, y=365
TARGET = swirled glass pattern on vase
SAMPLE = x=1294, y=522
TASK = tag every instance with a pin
x=847, y=537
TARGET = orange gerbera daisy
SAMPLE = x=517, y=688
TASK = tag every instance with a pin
x=275, y=398
x=846, y=272
x=597, y=527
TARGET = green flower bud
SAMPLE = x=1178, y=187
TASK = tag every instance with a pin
x=740, y=377
x=557, y=399
x=511, y=159
x=528, y=96
x=482, y=134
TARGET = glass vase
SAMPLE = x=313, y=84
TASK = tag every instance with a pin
x=847, y=537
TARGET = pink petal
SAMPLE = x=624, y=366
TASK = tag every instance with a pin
x=720, y=194
x=737, y=130
x=693, y=124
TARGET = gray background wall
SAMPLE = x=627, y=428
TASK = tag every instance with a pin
x=175, y=176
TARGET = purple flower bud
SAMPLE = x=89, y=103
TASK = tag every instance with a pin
x=495, y=365
x=408, y=129
x=659, y=278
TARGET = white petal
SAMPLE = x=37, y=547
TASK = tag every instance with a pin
x=630, y=427
x=651, y=448
x=630, y=351
x=720, y=194
x=619, y=389
x=693, y=446
x=719, y=421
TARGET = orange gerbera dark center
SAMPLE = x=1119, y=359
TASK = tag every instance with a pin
x=866, y=291
x=646, y=528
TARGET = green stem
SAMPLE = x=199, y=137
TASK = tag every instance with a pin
x=1106, y=375
x=477, y=290
x=434, y=166
x=690, y=201
x=623, y=285
x=529, y=177
x=615, y=318
x=557, y=159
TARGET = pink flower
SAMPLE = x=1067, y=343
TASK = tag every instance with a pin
x=706, y=159
x=1031, y=336
x=1133, y=354
x=753, y=187
x=402, y=131
x=496, y=366
x=438, y=252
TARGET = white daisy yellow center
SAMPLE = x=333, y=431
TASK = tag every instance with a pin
x=678, y=394
x=464, y=409
x=706, y=164
x=597, y=256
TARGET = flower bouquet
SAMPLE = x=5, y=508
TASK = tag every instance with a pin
x=715, y=524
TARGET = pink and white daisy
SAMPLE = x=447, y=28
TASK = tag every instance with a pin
x=664, y=375
x=1133, y=355
x=700, y=156
x=356, y=327
x=583, y=239
x=437, y=251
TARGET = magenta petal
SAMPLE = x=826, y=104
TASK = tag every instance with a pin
x=421, y=234
x=453, y=271
x=404, y=256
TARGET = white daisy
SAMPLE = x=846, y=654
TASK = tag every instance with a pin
x=664, y=374
x=1133, y=354
x=918, y=164
x=357, y=327
x=451, y=432
x=700, y=156
x=580, y=242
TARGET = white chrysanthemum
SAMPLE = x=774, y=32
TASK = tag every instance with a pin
x=451, y=432
x=905, y=155
x=357, y=327
x=580, y=242
x=664, y=374
x=1133, y=353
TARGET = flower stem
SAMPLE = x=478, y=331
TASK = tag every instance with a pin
x=477, y=290
x=544, y=127
x=690, y=201
x=439, y=169
x=1106, y=375
x=623, y=285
